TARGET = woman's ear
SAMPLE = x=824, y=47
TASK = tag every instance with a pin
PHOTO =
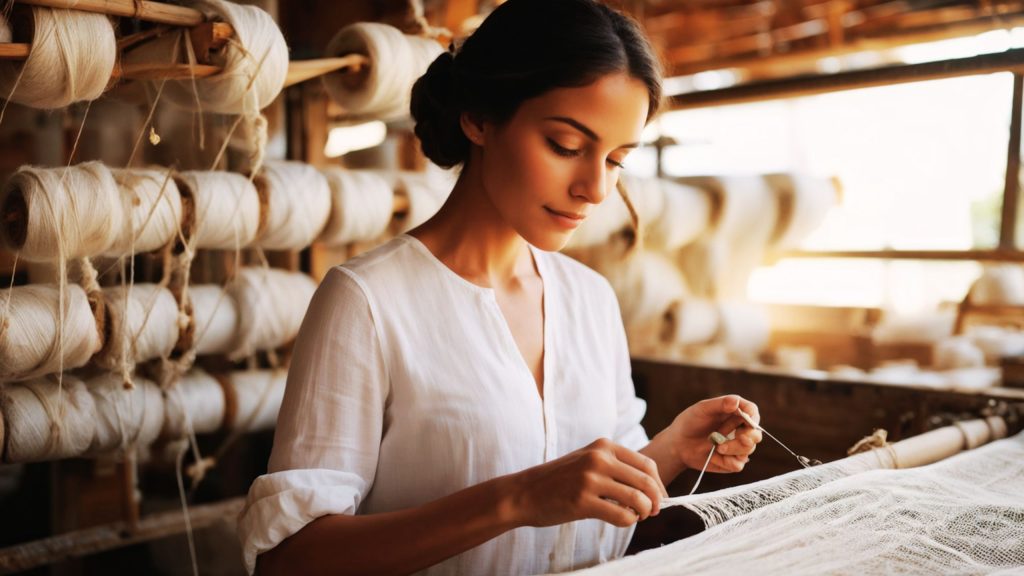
x=473, y=127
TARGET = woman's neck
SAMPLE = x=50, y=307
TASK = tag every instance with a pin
x=471, y=237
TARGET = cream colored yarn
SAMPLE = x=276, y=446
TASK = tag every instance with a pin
x=29, y=339
x=425, y=198
x=152, y=207
x=226, y=212
x=5, y=30
x=396, y=62
x=804, y=202
x=271, y=306
x=691, y=321
x=258, y=395
x=125, y=416
x=143, y=324
x=298, y=204
x=76, y=211
x=999, y=285
x=362, y=203
x=71, y=60
x=198, y=397
x=47, y=420
x=215, y=319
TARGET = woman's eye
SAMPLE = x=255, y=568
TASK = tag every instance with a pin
x=562, y=150
x=616, y=163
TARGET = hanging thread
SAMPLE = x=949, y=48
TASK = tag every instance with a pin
x=362, y=203
x=214, y=320
x=125, y=416
x=298, y=204
x=271, y=306
x=142, y=325
x=152, y=208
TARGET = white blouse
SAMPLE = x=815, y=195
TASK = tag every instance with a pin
x=406, y=385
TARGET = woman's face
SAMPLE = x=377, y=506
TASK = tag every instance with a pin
x=560, y=155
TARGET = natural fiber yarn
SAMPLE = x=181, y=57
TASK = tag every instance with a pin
x=687, y=213
x=396, y=62
x=214, y=319
x=362, y=203
x=997, y=342
x=298, y=204
x=152, y=206
x=74, y=211
x=691, y=321
x=47, y=420
x=142, y=325
x=257, y=396
x=425, y=199
x=957, y=352
x=225, y=209
x=5, y=30
x=927, y=328
x=198, y=397
x=30, y=343
x=71, y=60
x=804, y=201
x=125, y=416
x=999, y=285
x=271, y=306
x=744, y=329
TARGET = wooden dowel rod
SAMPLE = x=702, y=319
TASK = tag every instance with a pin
x=111, y=536
x=142, y=9
x=11, y=51
x=302, y=70
x=164, y=71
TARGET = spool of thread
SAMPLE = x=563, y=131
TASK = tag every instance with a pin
x=957, y=352
x=199, y=396
x=152, y=208
x=30, y=343
x=744, y=330
x=225, y=209
x=47, y=421
x=298, y=200
x=271, y=306
x=804, y=202
x=47, y=211
x=999, y=285
x=71, y=60
x=425, y=199
x=685, y=215
x=125, y=416
x=362, y=203
x=214, y=320
x=396, y=62
x=256, y=395
x=142, y=324
x=690, y=321
x=997, y=342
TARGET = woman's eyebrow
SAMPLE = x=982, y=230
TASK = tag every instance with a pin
x=585, y=130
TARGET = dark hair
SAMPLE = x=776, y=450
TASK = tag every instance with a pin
x=522, y=50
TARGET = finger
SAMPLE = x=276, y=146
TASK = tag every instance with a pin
x=610, y=512
x=751, y=410
x=626, y=495
x=736, y=448
x=644, y=479
x=643, y=463
x=749, y=436
x=727, y=464
x=714, y=408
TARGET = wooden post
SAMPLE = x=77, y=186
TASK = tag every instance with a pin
x=1011, y=191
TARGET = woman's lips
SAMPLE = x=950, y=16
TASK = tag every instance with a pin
x=565, y=219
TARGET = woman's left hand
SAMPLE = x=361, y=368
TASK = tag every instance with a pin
x=689, y=433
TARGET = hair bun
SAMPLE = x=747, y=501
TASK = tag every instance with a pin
x=435, y=107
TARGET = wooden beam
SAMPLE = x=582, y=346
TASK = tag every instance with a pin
x=947, y=255
x=141, y=9
x=14, y=51
x=1011, y=189
x=111, y=536
x=302, y=70
x=1011, y=60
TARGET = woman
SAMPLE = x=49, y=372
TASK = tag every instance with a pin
x=460, y=399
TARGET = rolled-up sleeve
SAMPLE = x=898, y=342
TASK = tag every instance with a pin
x=331, y=421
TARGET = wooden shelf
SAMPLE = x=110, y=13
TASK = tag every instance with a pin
x=159, y=12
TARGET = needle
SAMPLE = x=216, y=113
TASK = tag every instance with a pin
x=803, y=460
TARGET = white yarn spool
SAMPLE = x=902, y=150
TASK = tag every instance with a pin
x=396, y=62
x=298, y=204
x=958, y=352
x=685, y=215
x=46, y=420
x=215, y=319
x=225, y=209
x=425, y=199
x=271, y=306
x=47, y=211
x=999, y=285
x=125, y=415
x=362, y=203
x=142, y=325
x=199, y=396
x=257, y=395
x=71, y=60
x=997, y=342
x=804, y=202
x=647, y=285
x=30, y=344
x=691, y=321
x=152, y=208
x=744, y=330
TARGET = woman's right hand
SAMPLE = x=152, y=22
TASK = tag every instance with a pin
x=602, y=480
